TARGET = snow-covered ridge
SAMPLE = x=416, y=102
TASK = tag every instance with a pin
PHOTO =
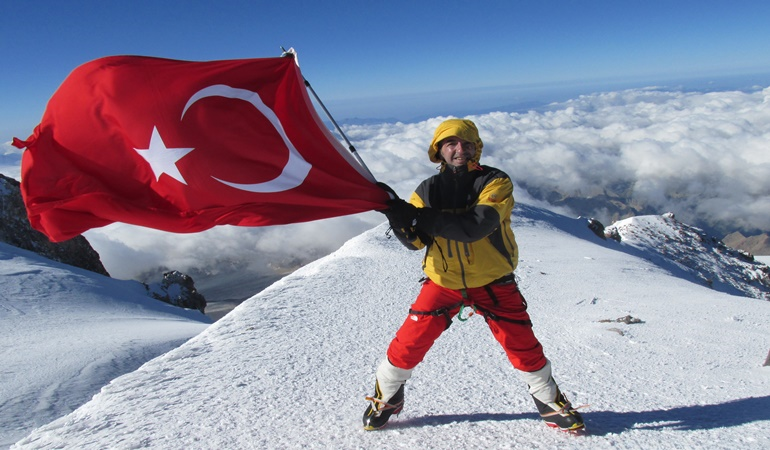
x=290, y=367
x=690, y=253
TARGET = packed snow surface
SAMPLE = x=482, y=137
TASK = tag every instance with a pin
x=290, y=367
x=66, y=332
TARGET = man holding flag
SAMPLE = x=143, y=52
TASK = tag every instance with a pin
x=461, y=217
x=185, y=146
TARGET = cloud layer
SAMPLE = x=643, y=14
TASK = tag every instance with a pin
x=703, y=156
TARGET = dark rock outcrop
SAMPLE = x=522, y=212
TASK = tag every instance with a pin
x=177, y=289
x=15, y=230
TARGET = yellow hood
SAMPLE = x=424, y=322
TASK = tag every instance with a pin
x=462, y=128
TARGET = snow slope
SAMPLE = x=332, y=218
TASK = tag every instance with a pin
x=66, y=332
x=289, y=368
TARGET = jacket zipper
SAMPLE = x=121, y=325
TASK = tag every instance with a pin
x=462, y=266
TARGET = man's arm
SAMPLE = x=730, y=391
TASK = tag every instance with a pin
x=495, y=203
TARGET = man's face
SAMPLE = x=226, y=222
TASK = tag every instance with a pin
x=457, y=152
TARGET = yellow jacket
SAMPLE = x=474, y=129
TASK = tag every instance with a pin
x=465, y=227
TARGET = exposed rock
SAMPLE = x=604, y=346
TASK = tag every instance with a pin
x=628, y=320
x=16, y=230
x=597, y=227
x=177, y=289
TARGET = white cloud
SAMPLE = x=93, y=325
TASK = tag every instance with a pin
x=10, y=158
x=704, y=156
x=128, y=251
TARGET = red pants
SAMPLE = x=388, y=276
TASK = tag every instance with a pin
x=503, y=307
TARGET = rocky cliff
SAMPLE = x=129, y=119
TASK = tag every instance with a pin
x=176, y=288
x=16, y=230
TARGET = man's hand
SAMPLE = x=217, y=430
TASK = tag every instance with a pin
x=387, y=189
x=401, y=214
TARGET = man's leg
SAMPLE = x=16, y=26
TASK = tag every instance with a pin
x=429, y=316
x=510, y=324
x=505, y=310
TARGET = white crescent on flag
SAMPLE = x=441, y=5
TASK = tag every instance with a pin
x=296, y=169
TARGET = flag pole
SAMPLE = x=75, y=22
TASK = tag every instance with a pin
x=339, y=130
x=351, y=148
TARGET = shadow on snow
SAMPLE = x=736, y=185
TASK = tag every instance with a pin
x=601, y=423
x=686, y=418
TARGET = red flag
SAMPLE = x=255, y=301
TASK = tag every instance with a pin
x=184, y=146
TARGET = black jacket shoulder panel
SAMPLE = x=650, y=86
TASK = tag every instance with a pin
x=447, y=190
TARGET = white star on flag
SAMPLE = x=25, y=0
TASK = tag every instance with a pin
x=163, y=160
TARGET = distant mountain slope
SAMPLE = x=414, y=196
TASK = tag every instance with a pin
x=289, y=367
x=757, y=245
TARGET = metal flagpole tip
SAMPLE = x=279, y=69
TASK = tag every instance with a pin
x=290, y=53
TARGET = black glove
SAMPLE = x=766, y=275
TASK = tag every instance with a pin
x=401, y=214
x=387, y=189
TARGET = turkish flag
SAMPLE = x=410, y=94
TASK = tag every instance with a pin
x=184, y=146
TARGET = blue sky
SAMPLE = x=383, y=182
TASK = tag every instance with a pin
x=395, y=59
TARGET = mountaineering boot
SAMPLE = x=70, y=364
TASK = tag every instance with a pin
x=553, y=407
x=559, y=413
x=379, y=411
x=388, y=398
